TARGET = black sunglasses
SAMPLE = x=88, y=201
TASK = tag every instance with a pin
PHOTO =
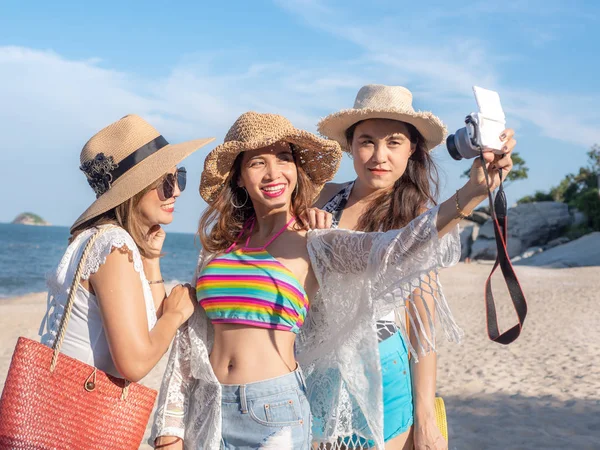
x=167, y=186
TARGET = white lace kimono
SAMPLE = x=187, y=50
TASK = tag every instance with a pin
x=361, y=276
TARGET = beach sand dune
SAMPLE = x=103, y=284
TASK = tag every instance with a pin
x=541, y=392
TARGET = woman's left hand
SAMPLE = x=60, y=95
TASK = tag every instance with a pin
x=155, y=239
x=494, y=163
x=318, y=219
x=427, y=436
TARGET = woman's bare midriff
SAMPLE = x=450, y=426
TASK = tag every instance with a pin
x=243, y=354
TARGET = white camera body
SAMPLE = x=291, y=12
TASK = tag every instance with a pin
x=482, y=130
x=490, y=120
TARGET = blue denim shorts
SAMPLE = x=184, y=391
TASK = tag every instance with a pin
x=397, y=387
x=271, y=413
x=397, y=393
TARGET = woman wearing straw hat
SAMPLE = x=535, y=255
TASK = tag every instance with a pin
x=122, y=321
x=390, y=144
x=233, y=380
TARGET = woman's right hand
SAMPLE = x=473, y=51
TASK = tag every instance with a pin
x=496, y=164
x=181, y=300
x=168, y=443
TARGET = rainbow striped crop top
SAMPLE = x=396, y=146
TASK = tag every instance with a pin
x=249, y=286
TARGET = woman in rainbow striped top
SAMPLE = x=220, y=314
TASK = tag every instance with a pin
x=272, y=293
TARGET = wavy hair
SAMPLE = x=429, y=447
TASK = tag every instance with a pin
x=222, y=223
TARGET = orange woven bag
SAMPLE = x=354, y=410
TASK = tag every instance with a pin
x=53, y=401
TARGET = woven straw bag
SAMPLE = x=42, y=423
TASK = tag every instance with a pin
x=52, y=401
x=440, y=417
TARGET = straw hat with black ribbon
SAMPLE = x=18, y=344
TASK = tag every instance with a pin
x=124, y=158
x=377, y=101
x=320, y=158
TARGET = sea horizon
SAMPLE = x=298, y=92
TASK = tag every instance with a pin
x=31, y=252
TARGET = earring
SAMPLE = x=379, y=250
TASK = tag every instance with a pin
x=243, y=204
x=295, y=190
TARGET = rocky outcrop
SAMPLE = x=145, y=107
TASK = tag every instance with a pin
x=30, y=219
x=468, y=234
x=485, y=248
x=581, y=252
x=530, y=224
x=479, y=216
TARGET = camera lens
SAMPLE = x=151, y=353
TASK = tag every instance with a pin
x=452, y=148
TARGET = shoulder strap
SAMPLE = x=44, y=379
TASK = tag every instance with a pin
x=71, y=298
x=499, y=214
x=248, y=223
x=285, y=227
x=344, y=195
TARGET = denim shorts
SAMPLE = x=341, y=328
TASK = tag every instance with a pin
x=397, y=387
x=267, y=414
x=397, y=394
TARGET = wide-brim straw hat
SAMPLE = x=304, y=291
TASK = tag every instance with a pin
x=320, y=158
x=377, y=101
x=124, y=158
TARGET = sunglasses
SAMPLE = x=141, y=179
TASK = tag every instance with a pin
x=167, y=186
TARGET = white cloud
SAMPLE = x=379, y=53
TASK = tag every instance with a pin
x=569, y=118
x=52, y=104
x=440, y=69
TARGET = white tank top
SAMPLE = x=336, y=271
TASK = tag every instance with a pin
x=85, y=339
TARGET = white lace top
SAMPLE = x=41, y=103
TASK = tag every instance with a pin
x=386, y=325
x=85, y=339
x=361, y=276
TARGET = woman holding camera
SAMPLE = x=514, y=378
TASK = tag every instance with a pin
x=273, y=293
x=396, y=181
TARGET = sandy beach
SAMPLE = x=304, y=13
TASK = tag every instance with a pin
x=542, y=392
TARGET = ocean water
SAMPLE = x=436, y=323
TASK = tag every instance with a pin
x=29, y=253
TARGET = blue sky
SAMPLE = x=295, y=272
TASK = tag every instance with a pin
x=69, y=68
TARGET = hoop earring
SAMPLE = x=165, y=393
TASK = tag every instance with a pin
x=243, y=204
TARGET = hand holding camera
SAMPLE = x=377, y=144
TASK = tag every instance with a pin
x=485, y=135
x=486, y=138
x=495, y=164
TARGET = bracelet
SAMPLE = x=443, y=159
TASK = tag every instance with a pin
x=166, y=444
x=156, y=281
x=459, y=212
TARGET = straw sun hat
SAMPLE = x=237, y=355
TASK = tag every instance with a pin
x=124, y=158
x=376, y=101
x=320, y=158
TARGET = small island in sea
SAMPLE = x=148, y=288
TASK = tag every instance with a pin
x=28, y=218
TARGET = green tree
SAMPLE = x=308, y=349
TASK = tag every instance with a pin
x=594, y=155
x=539, y=196
x=579, y=190
x=589, y=204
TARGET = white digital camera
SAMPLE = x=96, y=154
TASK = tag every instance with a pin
x=482, y=130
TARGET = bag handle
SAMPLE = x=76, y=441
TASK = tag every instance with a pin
x=499, y=215
x=62, y=329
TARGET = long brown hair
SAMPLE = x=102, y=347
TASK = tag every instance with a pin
x=125, y=216
x=412, y=193
x=222, y=222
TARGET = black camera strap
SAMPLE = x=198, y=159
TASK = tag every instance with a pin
x=499, y=215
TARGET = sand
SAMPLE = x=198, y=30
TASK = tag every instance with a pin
x=541, y=392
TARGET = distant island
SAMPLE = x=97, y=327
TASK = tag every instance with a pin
x=30, y=219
